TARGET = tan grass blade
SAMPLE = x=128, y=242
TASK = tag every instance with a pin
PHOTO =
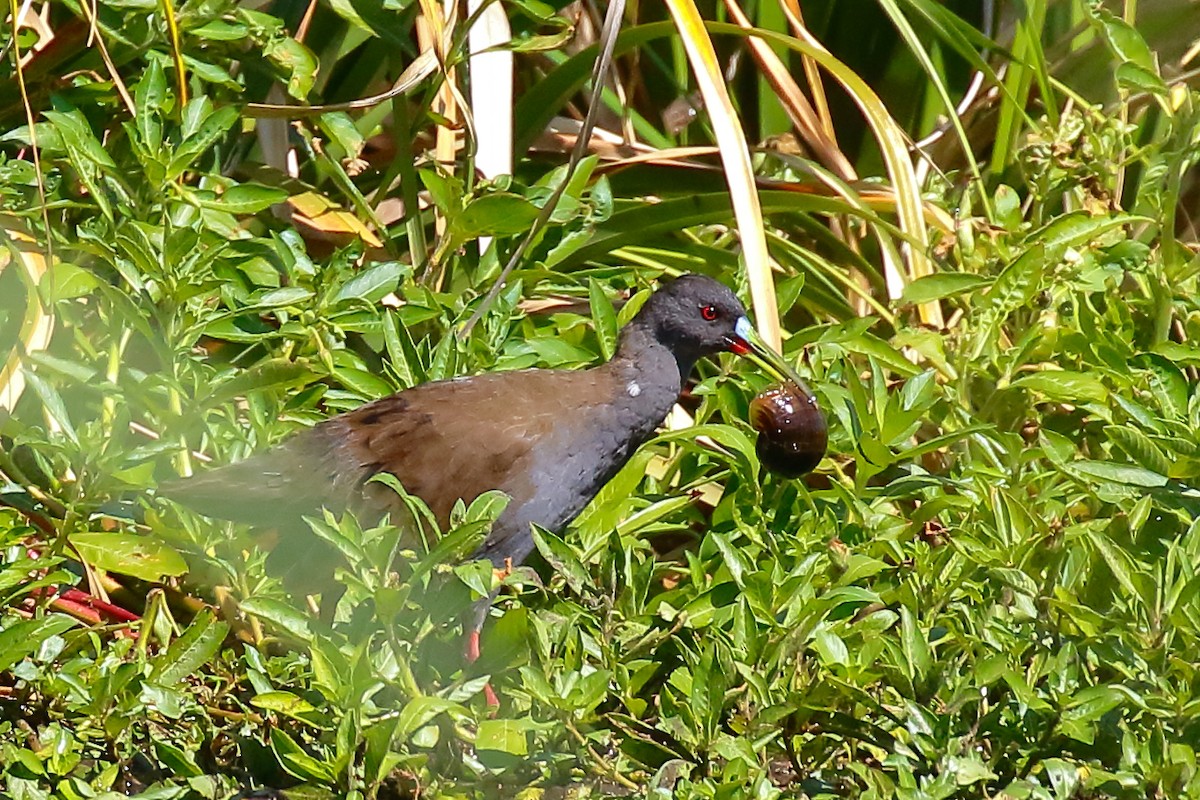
x=608, y=40
x=813, y=74
x=491, y=67
x=24, y=255
x=813, y=128
x=108, y=62
x=491, y=72
x=432, y=33
x=421, y=68
x=893, y=146
x=739, y=173
x=817, y=131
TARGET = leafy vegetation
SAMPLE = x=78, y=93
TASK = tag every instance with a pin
x=988, y=589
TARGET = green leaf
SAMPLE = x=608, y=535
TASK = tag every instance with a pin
x=562, y=558
x=339, y=127
x=140, y=555
x=198, y=644
x=247, y=198
x=176, y=760
x=1178, y=353
x=446, y=191
x=1117, y=473
x=914, y=645
x=1123, y=567
x=86, y=151
x=280, y=614
x=299, y=763
x=727, y=436
x=502, y=735
x=498, y=214
x=604, y=319
x=289, y=705
x=942, y=285
x=220, y=31
x=278, y=298
x=373, y=283
x=149, y=96
x=1133, y=77
x=20, y=638
x=1024, y=693
x=738, y=565
x=361, y=382
x=297, y=61
x=640, y=520
x=269, y=375
x=1140, y=448
x=65, y=281
x=1090, y=704
x=211, y=129
x=420, y=711
x=1065, y=386
x=52, y=402
x=537, y=44
x=607, y=508
x=1125, y=40
x=831, y=648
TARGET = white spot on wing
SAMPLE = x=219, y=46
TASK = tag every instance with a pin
x=633, y=389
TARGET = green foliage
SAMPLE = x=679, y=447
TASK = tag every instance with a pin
x=989, y=589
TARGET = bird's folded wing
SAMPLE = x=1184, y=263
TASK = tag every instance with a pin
x=443, y=441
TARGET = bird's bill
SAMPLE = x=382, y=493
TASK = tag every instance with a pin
x=749, y=345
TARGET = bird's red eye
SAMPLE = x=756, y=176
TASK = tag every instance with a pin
x=709, y=313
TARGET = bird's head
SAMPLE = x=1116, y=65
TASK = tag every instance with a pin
x=696, y=316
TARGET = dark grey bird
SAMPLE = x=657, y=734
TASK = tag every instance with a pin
x=550, y=439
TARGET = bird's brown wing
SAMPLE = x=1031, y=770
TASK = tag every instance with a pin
x=458, y=439
x=444, y=441
x=272, y=488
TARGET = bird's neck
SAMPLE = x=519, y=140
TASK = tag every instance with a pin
x=648, y=378
x=640, y=347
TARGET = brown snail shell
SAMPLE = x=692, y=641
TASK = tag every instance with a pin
x=792, y=434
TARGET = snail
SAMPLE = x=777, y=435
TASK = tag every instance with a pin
x=792, y=434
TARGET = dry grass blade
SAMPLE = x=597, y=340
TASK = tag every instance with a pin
x=168, y=12
x=817, y=131
x=809, y=124
x=36, y=151
x=614, y=152
x=671, y=157
x=24, y=256
x=608, y=40
x=108, y=62
x=421, y=68
x=893, y=146
x=919, y=51
x=491, y=77
x=736, y=157
x=813, y=73
x=433, y=32
x=491, y=74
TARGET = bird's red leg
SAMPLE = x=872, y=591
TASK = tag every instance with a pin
x=472, y=650
x=472, y=655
